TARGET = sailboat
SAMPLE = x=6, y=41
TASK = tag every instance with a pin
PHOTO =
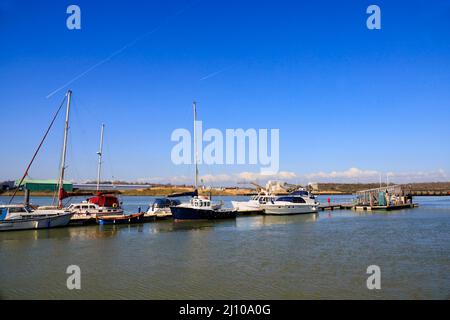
x=15, y=217
x=200, y=207
x=102, y=203
x=23, y=216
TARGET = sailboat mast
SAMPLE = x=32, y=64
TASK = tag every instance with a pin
x=195, y=144
x=64, y=151
x=99, y=153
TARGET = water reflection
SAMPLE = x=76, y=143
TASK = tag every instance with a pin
x=259, y=221
x=106, y=231
x=78, y=233
x=268, y=220
x=201, y=224
x=154, y=261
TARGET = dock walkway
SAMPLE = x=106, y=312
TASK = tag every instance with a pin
x=336, y=206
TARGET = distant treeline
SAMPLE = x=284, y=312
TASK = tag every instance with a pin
x=125, y=183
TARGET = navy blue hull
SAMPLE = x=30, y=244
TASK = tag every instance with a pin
x=180, y=213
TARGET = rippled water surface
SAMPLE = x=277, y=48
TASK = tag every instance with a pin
x=256, y=257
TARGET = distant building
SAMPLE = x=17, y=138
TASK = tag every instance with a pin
x=43, y=185
x=314, y=186
x=6, y=185
x=276, y=186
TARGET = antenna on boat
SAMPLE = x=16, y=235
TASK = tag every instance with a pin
x=99, y=153
x=194, y=105
x=64, y=152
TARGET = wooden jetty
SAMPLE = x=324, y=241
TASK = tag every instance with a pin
x=336, y=206
x=387, y=208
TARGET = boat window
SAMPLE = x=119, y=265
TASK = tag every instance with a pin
x=299, y=200
x=300, y=193
x=16, y=209
x=85, y=207
x=286, y=199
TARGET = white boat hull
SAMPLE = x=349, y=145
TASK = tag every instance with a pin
x=276, y=209
x=36, y=223
x=246, y=206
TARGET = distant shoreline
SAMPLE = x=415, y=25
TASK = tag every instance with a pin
x=326, y=189
x=133, y=193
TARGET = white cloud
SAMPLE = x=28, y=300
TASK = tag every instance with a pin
x=419, y=176
x=251, y=176
x=227, y=179
x=351, y=175
x=358, y=175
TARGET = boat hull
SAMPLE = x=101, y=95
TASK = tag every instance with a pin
x=274, y=209
x=56, y=221
x=117, y=219
x=246, y=206
x=186, y=213
x=159, y=214
x=82, y=219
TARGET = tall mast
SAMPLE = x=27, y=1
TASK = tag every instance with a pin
x=99, y=153
x=195, y=144
x=64, y=151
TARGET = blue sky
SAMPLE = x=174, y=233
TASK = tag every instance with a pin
x=350, y=103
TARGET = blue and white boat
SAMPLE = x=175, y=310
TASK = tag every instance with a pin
x=160, y=209
x=22, y=217
x=200, y=207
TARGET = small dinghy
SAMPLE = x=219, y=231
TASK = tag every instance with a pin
x=120, y=218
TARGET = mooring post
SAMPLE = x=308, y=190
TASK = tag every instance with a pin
x=26, y=196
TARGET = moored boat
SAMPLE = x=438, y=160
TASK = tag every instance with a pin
x=200, y=208
x=120, y=218
x=160, y=209
x=102, y=203
x=22, y=217
x=297, y=202
x=86, y=212
x=254, y=205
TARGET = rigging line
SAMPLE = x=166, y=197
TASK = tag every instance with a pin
x=37, y=150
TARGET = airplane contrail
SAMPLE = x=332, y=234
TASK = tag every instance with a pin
x=215, y=73
x=117, y=52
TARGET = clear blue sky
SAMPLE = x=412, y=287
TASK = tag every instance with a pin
x=342, y=96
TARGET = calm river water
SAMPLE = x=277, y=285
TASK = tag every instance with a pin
x=257, y=257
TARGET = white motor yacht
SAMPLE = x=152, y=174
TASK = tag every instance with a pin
x=297, y=202
x=254, y=205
